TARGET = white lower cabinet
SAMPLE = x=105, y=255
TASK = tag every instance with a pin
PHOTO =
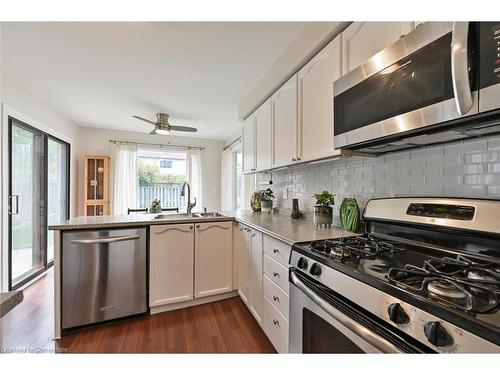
x=189, y=261
x=250, y=289
x=171, y=264
x=213, y=261
x=276, y=327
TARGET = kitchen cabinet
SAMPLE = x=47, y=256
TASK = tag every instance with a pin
x=263, y=136
x=249, y=156
x=284, y=124
x=315, y=103
x=171, y=263
x=250, y=265
x=213, y=264
x=362, y=40
x=241, y=249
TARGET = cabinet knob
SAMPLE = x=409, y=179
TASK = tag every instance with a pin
x=298, y=159
x=198, y=226
x=276, y=274
x=293, y=159
x=276, y=251
x=276, y=299
x=275, y=322
x=190, y=227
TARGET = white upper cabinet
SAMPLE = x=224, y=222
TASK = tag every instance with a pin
x=249, y=157
x=362, y=40
x=213, y=251
x=315, y=98
x=171, y=263
x=284, y=115
x=263, y=140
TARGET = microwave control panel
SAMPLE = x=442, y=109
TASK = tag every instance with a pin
x=489, y=54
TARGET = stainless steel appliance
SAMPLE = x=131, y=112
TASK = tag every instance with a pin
x=424, y=277
x=103, y=275
x=440, y=82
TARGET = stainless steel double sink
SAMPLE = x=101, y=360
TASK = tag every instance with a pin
x=197, y=215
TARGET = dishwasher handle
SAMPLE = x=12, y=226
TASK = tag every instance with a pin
x=90, y=241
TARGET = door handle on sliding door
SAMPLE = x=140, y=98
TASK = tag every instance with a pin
x=11, y=212
x=460, y=67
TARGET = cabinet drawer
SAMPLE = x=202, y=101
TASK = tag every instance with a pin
x=276, y=327
x=276, y=296
x=276, y=272
x=277, y=250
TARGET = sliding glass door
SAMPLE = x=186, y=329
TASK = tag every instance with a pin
x=38, y=195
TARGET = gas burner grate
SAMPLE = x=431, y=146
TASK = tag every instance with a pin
x=459, y=282
x=356, y=247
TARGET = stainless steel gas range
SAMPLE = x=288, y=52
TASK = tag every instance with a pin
x=423, y=278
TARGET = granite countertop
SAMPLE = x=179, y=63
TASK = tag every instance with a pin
x=282, y=227
x=117, y=221
x=9, y=300
x=287, y=229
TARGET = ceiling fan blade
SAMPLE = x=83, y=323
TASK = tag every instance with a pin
x=144, y=119
x=183, y=128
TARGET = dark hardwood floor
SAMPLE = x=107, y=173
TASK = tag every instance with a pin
x=219, y=327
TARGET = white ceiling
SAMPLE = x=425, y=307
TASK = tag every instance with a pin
x=100, y=74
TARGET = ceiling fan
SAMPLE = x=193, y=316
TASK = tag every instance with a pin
x=162, y=126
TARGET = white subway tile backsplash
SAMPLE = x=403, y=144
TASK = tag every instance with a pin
x=463, y=169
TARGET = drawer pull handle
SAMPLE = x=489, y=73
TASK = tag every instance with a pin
x=276, y=251
x=276, y=274
x=275, y=322
x=276, y=299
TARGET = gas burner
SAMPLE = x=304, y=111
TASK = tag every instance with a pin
x=444, y=289
x=459, y=282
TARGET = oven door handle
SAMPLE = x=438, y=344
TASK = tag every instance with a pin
x=460, y=67
x=377, y=341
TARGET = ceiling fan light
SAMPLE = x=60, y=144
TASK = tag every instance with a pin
x=162, y=131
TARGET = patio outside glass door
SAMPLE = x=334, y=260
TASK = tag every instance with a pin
x=38, y=191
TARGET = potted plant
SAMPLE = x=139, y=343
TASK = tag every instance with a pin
x=155, y=207
x=266, y=200
x=323, y=210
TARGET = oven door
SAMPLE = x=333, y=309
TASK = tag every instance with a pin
x=322, y=322
x=426, y=78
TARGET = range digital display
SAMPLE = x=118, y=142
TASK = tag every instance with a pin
x=441, y=211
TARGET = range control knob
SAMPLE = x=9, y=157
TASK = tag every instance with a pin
x=315, y=269
x=302, y=263
x=397, y=314
x=437, y=334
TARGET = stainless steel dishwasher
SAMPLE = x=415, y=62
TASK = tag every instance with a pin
x=103, y=275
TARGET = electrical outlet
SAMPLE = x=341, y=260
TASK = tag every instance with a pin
x=285, y=193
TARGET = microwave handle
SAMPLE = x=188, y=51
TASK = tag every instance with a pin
x=460, y=67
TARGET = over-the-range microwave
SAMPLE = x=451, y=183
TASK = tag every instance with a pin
x=438, y=83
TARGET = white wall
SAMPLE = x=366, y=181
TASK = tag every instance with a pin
x=95, y=141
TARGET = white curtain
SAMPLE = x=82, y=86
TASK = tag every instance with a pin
x=124, y=178
x=193, y=176
x=226, y=183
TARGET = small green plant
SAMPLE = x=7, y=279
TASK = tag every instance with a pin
x=155, y=206
x=266, y=195
x=325, y=198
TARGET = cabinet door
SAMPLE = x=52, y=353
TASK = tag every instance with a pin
x=213, y=258
x=242, y=247
x=315, y=108
x=362, y=40
x=263, y=131
x=249, y=145
x=255, y=275
x=284, y=123
x=171, y=263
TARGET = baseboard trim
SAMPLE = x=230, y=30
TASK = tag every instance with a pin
x=193, y=302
